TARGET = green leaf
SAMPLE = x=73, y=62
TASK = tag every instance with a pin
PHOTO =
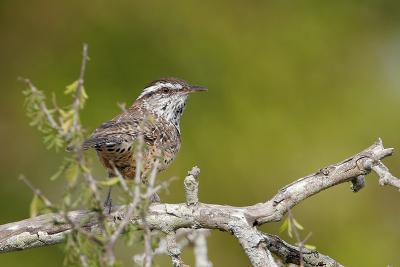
x=70, y=89
x=37, y=119
x=284, y=226
x=61, y=169
x=66, y=125
x=85, y=169
x=110, y=182
x=155, y=242
x=56, y=175
x=36, y=205
x=290, y=229
x=67, y=199
x=66, y=114
x=310, y=247
x=132, y=235
x=84, y=95
x=53, y=140
x=72, y=173
x=297, y=224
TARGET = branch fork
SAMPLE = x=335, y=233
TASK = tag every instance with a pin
x=195, y=216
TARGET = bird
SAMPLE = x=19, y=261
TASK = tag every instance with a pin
x=155, y=117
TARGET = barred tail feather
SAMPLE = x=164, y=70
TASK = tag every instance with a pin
x=93, y=142
x=89, y=143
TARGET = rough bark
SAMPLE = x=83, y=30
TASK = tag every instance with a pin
x=240, y=221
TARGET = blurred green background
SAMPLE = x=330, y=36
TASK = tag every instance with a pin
x=293, y=86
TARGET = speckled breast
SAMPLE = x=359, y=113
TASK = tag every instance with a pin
x=122, y=155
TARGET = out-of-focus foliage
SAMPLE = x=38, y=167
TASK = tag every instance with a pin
x=293, y=86
x=83, y=247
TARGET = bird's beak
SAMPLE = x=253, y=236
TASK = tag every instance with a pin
x=195, y=88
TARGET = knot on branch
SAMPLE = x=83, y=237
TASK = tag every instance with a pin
x=191, y=184
x=327, y=170
x=358, y=183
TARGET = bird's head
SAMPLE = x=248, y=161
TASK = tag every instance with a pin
x=167, y=97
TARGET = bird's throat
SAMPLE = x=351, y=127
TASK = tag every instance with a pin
x=170, y=109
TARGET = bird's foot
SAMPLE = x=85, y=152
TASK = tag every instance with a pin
x=154, y=198
x=107, y=205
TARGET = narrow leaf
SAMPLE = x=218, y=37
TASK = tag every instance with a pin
x=310, y=247
x=297, y=224
x=56, y=175
x=36, y=205
x=85, y=169
x=70, y=89
x=284, y=226
x=72, y=173
x=290, y=229
x=66, y=126
x=83, y=97
x=110, y=182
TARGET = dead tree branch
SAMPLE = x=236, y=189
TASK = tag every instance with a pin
x=240, y=221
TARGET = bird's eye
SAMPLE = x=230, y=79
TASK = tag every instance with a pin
x=165, y=90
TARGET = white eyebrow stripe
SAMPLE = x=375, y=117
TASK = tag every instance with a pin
x=159, y=85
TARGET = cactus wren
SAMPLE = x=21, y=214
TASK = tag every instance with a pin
x=155, y=116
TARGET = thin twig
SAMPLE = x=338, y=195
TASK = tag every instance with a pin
x=122, y=106
x=77, y=127
x=37, y=192
x=77, y=102
x=43, y=107
x=81, y=230
x=163, y=185
x=385, y=177
x=148, y=251
x=121, y=179
x=83, y=260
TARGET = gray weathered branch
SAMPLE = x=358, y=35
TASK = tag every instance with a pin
x=358, y=165
x=240, y=221
x=291, y=254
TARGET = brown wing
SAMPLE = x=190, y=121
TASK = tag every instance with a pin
x=124, y=128
x=109, y=133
